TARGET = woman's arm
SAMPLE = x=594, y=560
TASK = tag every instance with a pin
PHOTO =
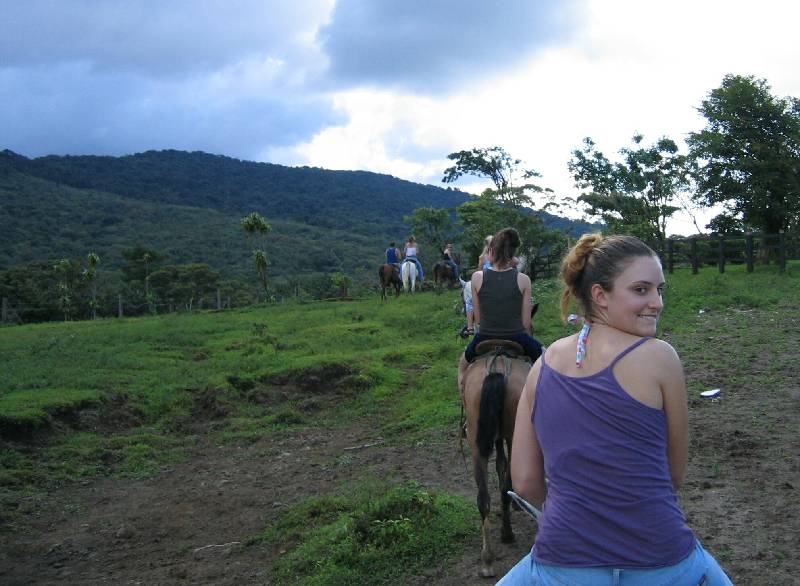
x=673, y=392
x=527, y=460
x=524, y=283
x=475, y=283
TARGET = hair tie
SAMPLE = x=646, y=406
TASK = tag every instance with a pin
x=580, y=352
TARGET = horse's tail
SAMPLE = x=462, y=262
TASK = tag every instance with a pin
x=490, y=417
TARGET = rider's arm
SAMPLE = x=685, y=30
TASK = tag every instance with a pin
x=673, y=392
x=527, y=460
x=524, y=283
x=475, y=283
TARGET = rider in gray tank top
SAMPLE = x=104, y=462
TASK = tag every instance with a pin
x=501, y=292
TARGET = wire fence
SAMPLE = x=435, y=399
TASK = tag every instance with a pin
x=692, y=253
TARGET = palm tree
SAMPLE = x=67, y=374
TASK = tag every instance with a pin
x=256, y=228
x=89, y=274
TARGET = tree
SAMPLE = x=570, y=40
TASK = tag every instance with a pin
x=432, y=226
x=484, y=215
x=89, y=275
x=256, y=228
x=635, y=196
x=34, y=288
x=184, y=284
x=748, y=156
x=68, y=272
x=508, y=204
x=511, y=180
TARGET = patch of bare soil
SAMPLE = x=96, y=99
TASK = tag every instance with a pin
x=190, y=524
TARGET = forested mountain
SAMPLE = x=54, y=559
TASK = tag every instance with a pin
x=188, y=205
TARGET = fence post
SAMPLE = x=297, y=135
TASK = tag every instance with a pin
x=721, y=260
x=219, y=300
x=670, y=255
x=781, y=251
x=119, y=306
x=695, y=262
x=4, y=314
x=749, y=247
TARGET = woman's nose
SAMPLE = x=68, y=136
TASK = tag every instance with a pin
x=656, y=301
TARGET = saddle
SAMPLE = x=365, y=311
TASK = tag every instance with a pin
x=505, y=347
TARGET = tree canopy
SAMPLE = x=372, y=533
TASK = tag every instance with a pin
x=635, y=195
x=748, y=156
x=511, y=180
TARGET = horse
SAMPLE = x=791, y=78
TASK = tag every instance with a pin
x=409, y=275
x=387, y=274
x=492, y=388
x=444, y=272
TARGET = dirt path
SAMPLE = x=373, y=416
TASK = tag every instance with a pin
x=741, y=497
x=118, y=531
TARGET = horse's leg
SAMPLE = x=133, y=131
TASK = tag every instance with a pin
x=504, y=477
x=484, y=506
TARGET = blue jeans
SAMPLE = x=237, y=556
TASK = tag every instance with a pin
x=531, y=346
x=415, y=260
x=699, y=568
x=453, y=266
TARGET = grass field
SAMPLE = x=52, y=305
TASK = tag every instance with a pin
x=125, y=399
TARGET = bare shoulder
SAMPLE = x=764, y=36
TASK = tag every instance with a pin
x=660, y=351
x=662, y=359
x=477, y=278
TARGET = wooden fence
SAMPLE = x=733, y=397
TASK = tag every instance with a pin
x=720, y=250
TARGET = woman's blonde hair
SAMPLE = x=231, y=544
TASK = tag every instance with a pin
x=595, y=259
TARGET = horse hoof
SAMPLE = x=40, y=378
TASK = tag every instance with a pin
x=487, y=573
x=510, y=538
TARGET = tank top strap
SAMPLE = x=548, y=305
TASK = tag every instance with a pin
x=633, y=346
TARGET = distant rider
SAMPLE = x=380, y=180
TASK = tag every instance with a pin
x=410, y=252
x=393, y=257
x=448, y=257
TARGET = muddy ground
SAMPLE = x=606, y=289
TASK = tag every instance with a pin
x=742, y=493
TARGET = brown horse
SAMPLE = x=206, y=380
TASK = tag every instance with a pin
x=387, y=274
x=443, y=273
x=492, y=388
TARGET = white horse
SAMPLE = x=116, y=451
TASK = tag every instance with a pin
x=408, y=273
x=466, y=293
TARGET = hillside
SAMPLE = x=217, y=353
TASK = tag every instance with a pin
x=189, y=206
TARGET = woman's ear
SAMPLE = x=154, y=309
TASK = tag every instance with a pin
x=599, y=295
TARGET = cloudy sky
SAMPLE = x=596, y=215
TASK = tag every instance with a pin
x=382, y=85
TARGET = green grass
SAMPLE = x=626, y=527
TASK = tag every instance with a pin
x=244, y=375
x=375, y=534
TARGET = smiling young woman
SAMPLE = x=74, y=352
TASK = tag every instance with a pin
x=603, y=418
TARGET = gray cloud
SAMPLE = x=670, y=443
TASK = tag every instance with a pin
x=428, y=46
x=236, y=77
x=69, y=109
x=153, y=37
x=115, y=77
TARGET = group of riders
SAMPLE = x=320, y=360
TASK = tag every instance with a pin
x=410, y=253
x=601, y=433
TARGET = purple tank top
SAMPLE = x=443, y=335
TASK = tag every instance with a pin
x=610, y=501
